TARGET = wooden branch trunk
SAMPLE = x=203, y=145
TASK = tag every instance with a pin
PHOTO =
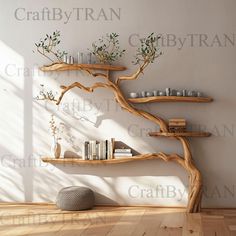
x=195, y=179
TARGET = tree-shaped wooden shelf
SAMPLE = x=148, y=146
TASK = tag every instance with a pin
x=170, y=99
x=144, y=58
x=182, y=134
x=65, y=67
x=141, y=157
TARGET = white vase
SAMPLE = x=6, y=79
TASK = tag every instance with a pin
x=56, y=149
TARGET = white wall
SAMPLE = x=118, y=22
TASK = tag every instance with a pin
x=24, y=122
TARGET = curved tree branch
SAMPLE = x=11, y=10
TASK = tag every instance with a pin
x=90, y=72
x=79, y=85
x=195, y=179
x=135, y=75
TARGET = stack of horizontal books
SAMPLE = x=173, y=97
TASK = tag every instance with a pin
x=177, y=125
x=98, y=150
x=122, y=153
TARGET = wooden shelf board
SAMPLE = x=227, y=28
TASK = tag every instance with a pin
x=148, y=156
x=170, y=99
x=182, y=134
x=65, y=67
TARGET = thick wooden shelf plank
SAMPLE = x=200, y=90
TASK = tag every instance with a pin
x=148, y=156
x=183, y=134
x=170, y=99
x=65, y=67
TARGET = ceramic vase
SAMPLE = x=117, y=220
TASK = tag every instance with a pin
x=56, y=149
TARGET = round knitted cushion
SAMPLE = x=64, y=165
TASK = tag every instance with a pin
x=75, y=198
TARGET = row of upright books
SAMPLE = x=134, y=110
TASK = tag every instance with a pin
x=104, y=150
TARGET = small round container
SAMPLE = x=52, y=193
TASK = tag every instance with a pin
x=71, y=60
x=149, y=94
x=173, y=92
x=162, y=93
x=65, y=58
x=155, y=93
x=185, y=93
x=143, y=94
x=190, y=94
x=179, y=93
x=168, y=91
x=133, y=95
x=194, y=93
x=199, y=94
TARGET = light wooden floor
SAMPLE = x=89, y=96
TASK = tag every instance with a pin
x=47, y=220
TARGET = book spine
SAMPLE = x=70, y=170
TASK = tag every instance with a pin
x=100, y=151
x=106, y=150
x=112, y=147
x=127, y=150
x=92, y=150
x=123, y=155
x=89, y=152
x=85, y=154
x=110, y=150
x=97, y=150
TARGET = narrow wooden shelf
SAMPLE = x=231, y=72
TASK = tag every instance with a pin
x=143, y=157
x=65, y=67
x=170, y=99
x=183, y=134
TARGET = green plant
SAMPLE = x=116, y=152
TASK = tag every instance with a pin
x=107, y=50
x=48, y=47
x=147, y=52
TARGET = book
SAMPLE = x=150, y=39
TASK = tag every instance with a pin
x=119, y=154
x=92, y=150
x=177, y=123
x=123, y=150
x=98, y=146
x=85, y=151
x=112, y=147
x=177, y=129
x=106, y=151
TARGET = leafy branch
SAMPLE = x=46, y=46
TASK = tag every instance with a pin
x=56, y=129
x=107, y=50
x=48, y=47
x=46, y=95
x=147, y=52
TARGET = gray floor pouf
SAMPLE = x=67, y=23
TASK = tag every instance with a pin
x=75, y=198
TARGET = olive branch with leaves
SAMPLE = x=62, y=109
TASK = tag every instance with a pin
x=148, y=50
x=48, y=47
x=107, y=49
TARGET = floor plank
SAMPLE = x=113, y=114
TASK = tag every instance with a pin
x=47, y=220
x=127, y=223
